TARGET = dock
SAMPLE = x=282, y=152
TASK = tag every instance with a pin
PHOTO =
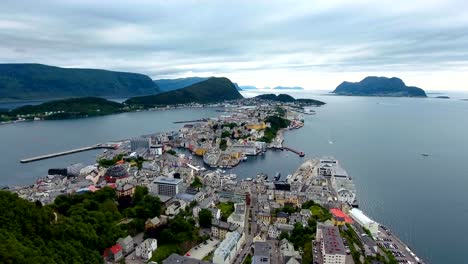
x=299, y=153
x=63, y=153
x=191, y=121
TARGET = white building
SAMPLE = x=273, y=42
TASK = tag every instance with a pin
x=166, y=186
x=228, y=248
x=365, y=221
x=146, y=248
x=331, y=245
x=175, y=207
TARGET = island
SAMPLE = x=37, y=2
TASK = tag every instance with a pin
x=297, y=88
x=213, y=90
x=442, y=97
x=285, y=98
x=28, y=81
x=379, y=86
x=64, y=109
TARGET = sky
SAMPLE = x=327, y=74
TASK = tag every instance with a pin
x=313, y=44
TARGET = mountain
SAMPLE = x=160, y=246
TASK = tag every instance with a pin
x=209, y=91
x=237, y=87
x=288, y=88
x=70, y=108
x=379, y=86
x=166, y=85
x=38, y=81
x=248, y=87
x=285, y=98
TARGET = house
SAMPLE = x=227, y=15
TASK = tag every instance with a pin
x=126, y=244
x=175, y=207
x=114, y=253
x=265, y=217
x=282, y=217
x=284, y=228
x=125, y=190
x=219, y=229
x=215, y=212
x=146, y=248
x=153, y=223
x=273, y=232
x=295, y=218
x=287, y=252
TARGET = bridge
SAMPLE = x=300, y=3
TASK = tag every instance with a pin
x=63, y=153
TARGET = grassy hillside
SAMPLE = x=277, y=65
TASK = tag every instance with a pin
x=37, y=81
x=209, y=91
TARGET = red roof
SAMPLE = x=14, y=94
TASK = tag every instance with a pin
x=116, y=249
x=338, y=213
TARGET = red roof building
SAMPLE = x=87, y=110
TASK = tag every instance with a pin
x=339, y=216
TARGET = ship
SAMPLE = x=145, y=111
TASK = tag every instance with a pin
x=277, y=176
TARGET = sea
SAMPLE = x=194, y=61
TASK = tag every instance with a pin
x=378, y=140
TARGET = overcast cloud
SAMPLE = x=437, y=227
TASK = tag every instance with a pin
x=314, y=44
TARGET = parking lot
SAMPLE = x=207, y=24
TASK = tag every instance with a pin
x=401, y=252
x=203, y=249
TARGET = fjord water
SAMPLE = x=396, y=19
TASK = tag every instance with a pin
x=378, y=140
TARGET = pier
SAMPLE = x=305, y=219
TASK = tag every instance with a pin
x=300, y=153
x=63, y=153
x=191, y=121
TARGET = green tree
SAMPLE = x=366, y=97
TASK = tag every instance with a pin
x=204, y=218
x=196, y=183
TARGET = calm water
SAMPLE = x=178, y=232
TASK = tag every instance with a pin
x=378, y=140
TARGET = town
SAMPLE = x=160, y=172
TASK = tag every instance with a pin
x=180, y=204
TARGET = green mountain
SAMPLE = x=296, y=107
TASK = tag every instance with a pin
x=38, y=81
x=70, y=108
x=209, y=91
x=286, y=98
x=379, y=86
x=166, y=85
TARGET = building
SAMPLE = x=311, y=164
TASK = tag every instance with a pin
x=340, y=218
x=282, y=217
x=166, y=186
x=364, y=221
x=287, y=251
x=146, y=248
x=175, y=207
x=228, y=248
x=153, y=223
x=178, y=259
x=115, y=173
x=126, y=244
x=114, y=253
x=125, y=190
x=238, y=216
x=139, y=143
x=215, y=212
x=331, y=245
x=219, y=229
x=261, y=253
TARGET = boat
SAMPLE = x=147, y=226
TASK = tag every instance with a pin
x=425, y=154
x=244, y=158
x=277, y=176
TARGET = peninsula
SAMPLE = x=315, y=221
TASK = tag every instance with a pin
x=28, y=81
x=379, y=86
x=286, y=98
x=212, y=90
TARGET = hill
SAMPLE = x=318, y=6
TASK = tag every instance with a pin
x=379, y=86
x=285, y=98
x=38, y=81
x=69, y=108
x=166, y=85
x=209, y=91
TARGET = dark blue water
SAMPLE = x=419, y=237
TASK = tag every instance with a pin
x=378, y=140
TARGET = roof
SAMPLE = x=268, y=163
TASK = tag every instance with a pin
x=227, y=244
x=116, y=249
x=332, y=241
x=167, y=180
x=177, y=259
x=359, y=216
x=337, y=213
x=282, y=214
x=261, y=249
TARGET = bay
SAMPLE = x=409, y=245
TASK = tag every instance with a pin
x=378, y=140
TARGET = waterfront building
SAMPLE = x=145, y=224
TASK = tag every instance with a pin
x=261, y=253
x=331, y=245
x=166, y=186
x=139, y=143
x=364, y=221
x=228, y=248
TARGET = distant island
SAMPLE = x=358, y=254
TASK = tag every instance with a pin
x=286, y=98
x=27, y=81
x=379, y=86
x=64, y=109
x=166, y=85
x=442, y=97
x=288, y=88
x=212, y=90
x=248, y=87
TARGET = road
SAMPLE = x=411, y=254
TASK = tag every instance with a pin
x=252, y=209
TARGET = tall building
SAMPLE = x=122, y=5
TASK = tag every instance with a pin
x=139, y=143
x=332, y=247
x=166, y=186
x=261, y=253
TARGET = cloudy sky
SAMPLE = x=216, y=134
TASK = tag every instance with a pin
x=313, y=44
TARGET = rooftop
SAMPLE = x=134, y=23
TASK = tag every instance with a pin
x=177, y=259
x=167, y=180
x=332, y=241
x=337, y=213
x=360, y=216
